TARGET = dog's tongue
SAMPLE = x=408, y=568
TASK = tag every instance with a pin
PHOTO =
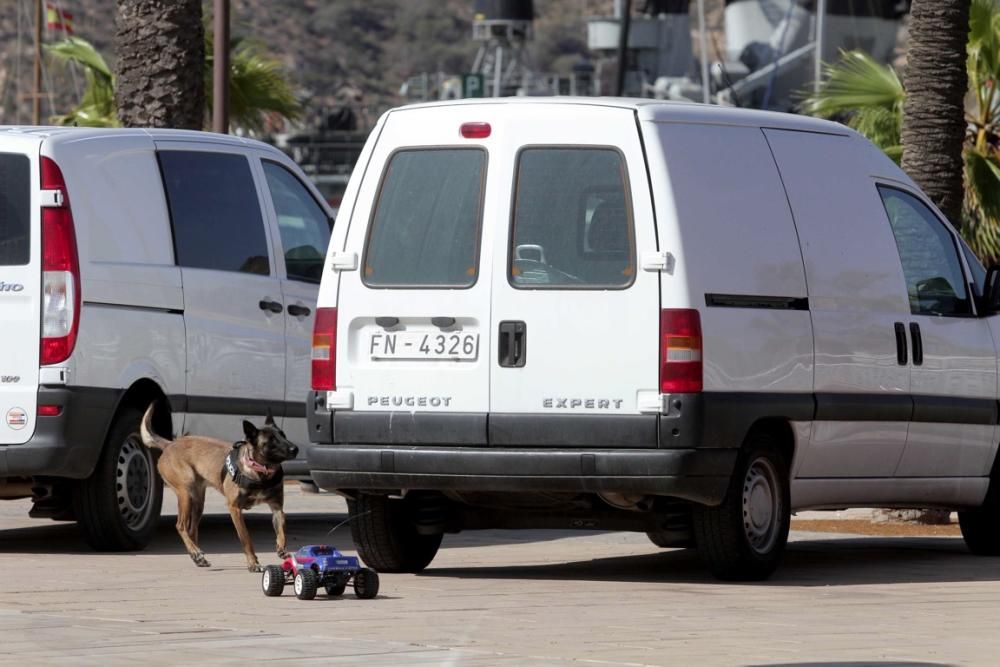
x=256, y=467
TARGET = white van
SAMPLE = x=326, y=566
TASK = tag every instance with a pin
x=140, y=266
x=630, y=315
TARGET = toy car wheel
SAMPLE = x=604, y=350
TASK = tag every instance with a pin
x=273, y=581
x=366, y=584
x=337, y=587
x=305, y=584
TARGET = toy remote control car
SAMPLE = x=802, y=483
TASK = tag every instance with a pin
x=319, y=565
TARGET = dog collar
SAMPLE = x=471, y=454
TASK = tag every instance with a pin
x=231, y=467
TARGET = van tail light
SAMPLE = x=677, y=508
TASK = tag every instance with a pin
x=680, y=351
x=324, y=350
x=60, y=269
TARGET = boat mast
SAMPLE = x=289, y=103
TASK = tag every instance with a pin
x=37, y=101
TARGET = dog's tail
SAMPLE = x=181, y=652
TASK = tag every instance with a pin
x=149, y=438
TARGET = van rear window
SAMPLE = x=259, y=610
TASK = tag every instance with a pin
x=15, y=209
x=426, y=225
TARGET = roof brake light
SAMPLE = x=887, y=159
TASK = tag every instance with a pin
x=476, y=130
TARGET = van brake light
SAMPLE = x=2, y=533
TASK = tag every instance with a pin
x=680, y=351
x=60, y=270
x=324, y=350
x=476, y=130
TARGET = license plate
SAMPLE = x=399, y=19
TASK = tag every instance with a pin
x=458, y=346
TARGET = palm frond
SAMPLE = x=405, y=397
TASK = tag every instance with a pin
x=982, y=182
x=97, y=108
x=883, y=127
x=855, y=82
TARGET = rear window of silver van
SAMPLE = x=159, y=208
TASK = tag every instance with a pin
x=426, y=225
x=15, y=209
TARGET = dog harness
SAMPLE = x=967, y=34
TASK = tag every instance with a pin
x=232, y=468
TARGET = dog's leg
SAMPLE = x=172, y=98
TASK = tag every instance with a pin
x=185, y=526
x=278, y=521
x=241, y=530
x=197, y=509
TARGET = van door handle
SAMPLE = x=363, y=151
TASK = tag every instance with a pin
x=513, y=344
x=901, y=354
x=273, y=306
x=918, y=344
x=297, y=310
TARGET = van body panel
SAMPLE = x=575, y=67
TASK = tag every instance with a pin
x=384, y=383
x=20, y=286
x=566, y=368
x=855, y=298
x=727, y=207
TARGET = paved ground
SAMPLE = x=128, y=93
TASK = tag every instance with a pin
x=492, y=598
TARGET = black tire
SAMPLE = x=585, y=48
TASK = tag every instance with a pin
x=386, y=538
x=668, y=540
x=273, y=581
x=366, y=584
x=338, y=587
x=306, y=582
x=118, y=506
x=744, y=538
x=981, y=526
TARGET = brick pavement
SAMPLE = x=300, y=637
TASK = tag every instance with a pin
x=492, y=598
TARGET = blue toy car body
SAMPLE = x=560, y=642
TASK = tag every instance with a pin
x=319, y=565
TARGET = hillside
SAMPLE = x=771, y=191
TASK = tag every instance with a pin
x=335, y=50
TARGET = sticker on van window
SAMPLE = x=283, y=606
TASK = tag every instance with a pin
x=17, y=418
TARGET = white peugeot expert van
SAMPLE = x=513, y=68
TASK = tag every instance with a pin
x=630, y=315
x=140, y=266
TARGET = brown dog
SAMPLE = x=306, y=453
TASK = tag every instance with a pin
x=247, y=473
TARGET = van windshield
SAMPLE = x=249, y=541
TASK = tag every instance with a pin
x=15, y=209
x=426, y=225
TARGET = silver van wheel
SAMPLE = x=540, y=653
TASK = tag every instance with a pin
x=133, y=483
x=761, y=506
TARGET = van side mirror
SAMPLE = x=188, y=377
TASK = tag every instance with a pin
x=991, y=291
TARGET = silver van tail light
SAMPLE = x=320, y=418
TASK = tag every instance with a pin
x=60, y=269
x=680, y=351
x=324, y=350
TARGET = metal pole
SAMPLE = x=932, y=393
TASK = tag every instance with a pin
x=220, y=70
x=498, y=71
x=36, y=114
x=706, y=88
x=624, y=25
x=820, y=38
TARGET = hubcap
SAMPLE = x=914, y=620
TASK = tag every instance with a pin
x=267, y=579
x=134, y=484
x=762, y=507
x=298, y=584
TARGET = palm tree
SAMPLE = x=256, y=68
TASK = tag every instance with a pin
x=259, y=88
x=160, y=66
x=934, y=112
x=870, y=98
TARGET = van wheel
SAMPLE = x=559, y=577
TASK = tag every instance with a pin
x=385, y=537
x=981, y=526
x=118, y=506
x=744, y=538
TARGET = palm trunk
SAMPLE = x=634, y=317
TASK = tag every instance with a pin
x=160, y=66
x=936, y=80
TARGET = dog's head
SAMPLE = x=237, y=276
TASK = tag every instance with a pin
x=268, y=445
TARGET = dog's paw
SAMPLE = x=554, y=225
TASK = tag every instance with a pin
x=199, y=559
x=253, y=567
x=283, y=554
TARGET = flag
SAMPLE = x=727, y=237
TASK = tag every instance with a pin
x=58, y=19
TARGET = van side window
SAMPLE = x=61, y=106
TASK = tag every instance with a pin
x=215, y=211
x=426, y=225
x=15, y=209
x=572, y=221
x=304, y=226
x=935, y=281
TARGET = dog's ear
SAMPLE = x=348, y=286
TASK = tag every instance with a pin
x=250, y=431
x=270, y=418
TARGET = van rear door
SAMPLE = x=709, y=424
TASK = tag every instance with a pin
x=577, y=319
x=413, y=333
x=20, y=287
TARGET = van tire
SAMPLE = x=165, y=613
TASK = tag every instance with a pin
x=386, y=539
x=981, y=526
x=121, y=519
x=735, y=544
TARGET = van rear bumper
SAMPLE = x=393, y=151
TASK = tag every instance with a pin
x=67, y=445
x=699, y=475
